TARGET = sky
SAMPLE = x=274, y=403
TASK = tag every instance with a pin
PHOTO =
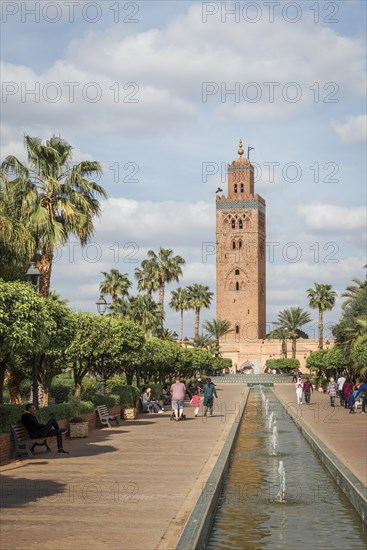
x=160, y=94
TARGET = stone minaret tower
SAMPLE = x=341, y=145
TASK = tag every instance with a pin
x=240, y=245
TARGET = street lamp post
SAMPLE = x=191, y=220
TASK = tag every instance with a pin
x=101, y=308
x=33, y=275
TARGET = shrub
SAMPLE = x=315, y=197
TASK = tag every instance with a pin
x=109, y=400
x=284, y=364
x=61, y=389
x=90, y=387
x=115, y=381
x=128, y=394
x=10, y=414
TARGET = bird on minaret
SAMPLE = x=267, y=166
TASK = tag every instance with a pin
x=218, y=190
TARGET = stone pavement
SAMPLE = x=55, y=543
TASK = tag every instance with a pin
x=129, y=487
x=343, y=433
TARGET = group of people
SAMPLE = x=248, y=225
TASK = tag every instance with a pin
x=178, y=392
x=349, y=393
x=303, y=387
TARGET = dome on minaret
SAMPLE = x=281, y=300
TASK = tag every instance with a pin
x=240, y=161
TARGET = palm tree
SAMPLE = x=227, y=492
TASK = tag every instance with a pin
x=115, y=284
x=322, y=298
x=144, y=310
x=217, y=328
x=354, y=293
x=147, y=277
x=281, y=333
x=180, y=302
x=291, y=319
x=56, y=198
x=166, y=268
x=199, y=296
x=16, y=240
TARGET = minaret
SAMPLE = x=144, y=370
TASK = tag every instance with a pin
x=240, y=248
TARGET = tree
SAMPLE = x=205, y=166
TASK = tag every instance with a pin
x=166, y=268
x=291, y=319
x=16, y=240
x=147, y=277
x=56, y=198
x=321, y=298
x=199, y=297
x=115, y=284
x=317, y=360
x=217, y=328
x=180, y=302
x=22, y=318
x=57, y=333
x=145, y=311
x=359, y=355
x=280, y=333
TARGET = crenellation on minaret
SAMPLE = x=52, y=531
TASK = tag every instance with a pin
x=240, y=238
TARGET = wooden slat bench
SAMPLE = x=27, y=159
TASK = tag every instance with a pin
x=105, y=416
x=23, y=443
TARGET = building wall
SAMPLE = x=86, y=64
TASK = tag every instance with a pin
x=258, y=351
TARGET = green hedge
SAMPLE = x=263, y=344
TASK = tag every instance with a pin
x=284, y=364
x=61, y=389
x=110, y=400
x=128, y=394
x=11, y=414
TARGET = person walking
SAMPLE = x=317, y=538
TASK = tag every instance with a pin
x=340, y=383
x=347, y=390
x=195, y=402
x=299, y=391
x=178, y=391
x=363, y=387
x=307, y=388
x=331, y=389
x=209, y=393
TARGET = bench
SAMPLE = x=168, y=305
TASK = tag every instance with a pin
x=23, y=443
x=105, y=416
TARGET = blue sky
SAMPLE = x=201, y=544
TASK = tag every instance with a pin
x=151, y=100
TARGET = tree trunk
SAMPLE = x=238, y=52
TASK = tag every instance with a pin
x=284, y=349
x=321, y=329
x=14, y=381
x=197, y=321
x=161, y=292
x=3, y=365
x=129, y=378
x=294, y=347
x=181, y=327
x=45, y=267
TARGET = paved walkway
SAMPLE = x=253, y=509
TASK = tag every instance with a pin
x=133, y=487
x=129, y=487
x=345, y=434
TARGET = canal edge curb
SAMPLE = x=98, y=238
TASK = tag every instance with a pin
x=196, y=529
x=351, y=486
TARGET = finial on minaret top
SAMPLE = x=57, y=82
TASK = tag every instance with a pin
x=240, y=149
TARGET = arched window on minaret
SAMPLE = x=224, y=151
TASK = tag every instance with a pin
x=237, y=286
x=242, y=187
x=237, y=329
x=235, y=187
x=240, y=224
x=234, y=245
x=237, y=272
x=239, y=244
x=233, y=224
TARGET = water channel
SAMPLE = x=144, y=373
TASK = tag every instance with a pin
x=255, y=511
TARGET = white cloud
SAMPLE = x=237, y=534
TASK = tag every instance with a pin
x=170, y=65
x=329, y=216
x=352, y=130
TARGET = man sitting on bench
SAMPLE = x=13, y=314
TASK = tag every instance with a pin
x=36, y=430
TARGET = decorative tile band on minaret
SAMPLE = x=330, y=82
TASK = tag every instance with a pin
x=240, y=261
